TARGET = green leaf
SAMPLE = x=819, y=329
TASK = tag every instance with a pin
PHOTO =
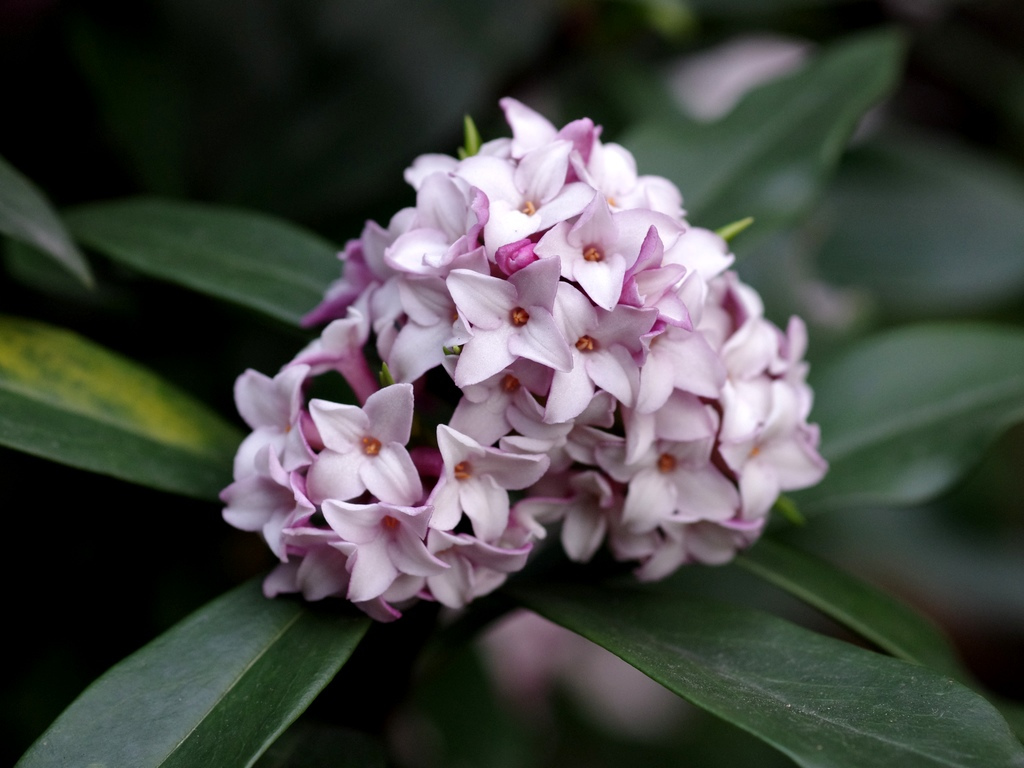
x=874, y=615
x=35, y=269
x=729, y=231
x=939, y=207
x=214, y=690
x=306, y=745
x=248, y=258
x=816, y=699
x=905, y=414
x=68, y=400
x=974, y=582
x=26, y=216
x=471, y=143
x=769, y=156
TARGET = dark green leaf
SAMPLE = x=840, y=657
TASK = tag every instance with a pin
x=69, y=400
x=973, y=580
x=215, y=690
x=768, y=157
x=26, y=215
x=872, y=614
x=818, y=700
x=309, y=745
x=30, y=267
x=925, y=226
x=254, y=260
x=903, y=415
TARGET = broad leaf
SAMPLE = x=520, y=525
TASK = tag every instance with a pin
x=818, y=700
x=248, y=258
x=869, y=612
x=214, y=690
x=26, y=215
x=907, y=214
x=903, y=415
x=68, y=400
x=768, y=157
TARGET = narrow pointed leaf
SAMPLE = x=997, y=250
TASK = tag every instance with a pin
x=891, y=625
x=26, y=215
x=822, y=702
x=904, y=414
x=68, y=400
x=214, y=690
x=248, y=258
x=768, y=157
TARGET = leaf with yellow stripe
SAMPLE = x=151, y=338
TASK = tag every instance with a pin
x=69, y=400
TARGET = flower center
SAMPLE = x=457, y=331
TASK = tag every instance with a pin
x=389, y=522
x=462, y=471
x=593, y=253
x=666, y=462
x=371, y=446
x=585, y=344
x=529, y=208
x=519, y=316
x=510, y=383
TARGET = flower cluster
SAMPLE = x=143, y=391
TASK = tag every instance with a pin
x=557, y=344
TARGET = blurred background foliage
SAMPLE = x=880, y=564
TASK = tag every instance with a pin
x=310, y=110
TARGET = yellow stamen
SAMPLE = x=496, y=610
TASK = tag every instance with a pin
x=585, y=344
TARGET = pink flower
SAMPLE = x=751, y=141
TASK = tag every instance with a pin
x=561, y=335
x=671, y=480
x=476, y=483
x=365, y=449
x=272, y=407
x=585, y=514
x=606, y=351
x=475, y=568
x=382, y=542
x=508, y=319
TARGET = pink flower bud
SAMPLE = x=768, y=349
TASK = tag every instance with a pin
x=514, y=256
